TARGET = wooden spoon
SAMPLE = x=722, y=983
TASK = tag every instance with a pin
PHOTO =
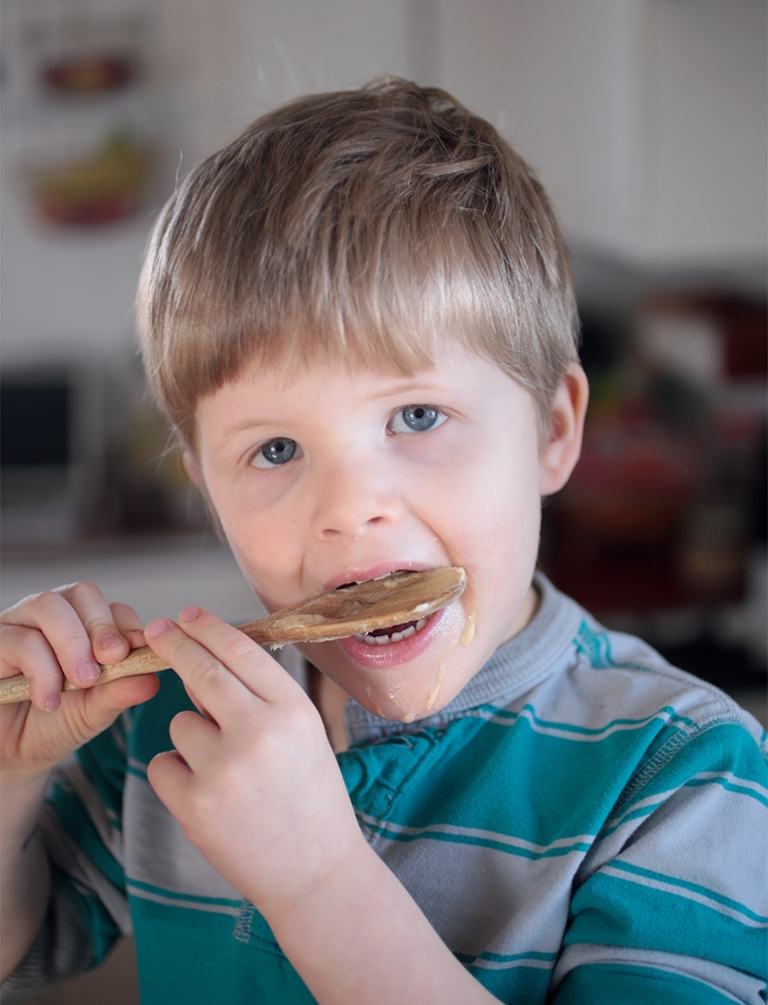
x=349, y=610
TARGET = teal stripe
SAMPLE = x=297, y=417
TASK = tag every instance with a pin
x=703, y=891
x=469, y=776
x=612, y=910
x=150, y=720
x=638, y=814
x=196, y=898
x=596, y=646
x=104, y=765
x=635, y=985
x=519, y=982
x=80, y=828
x=742, y=790
x=499, y=958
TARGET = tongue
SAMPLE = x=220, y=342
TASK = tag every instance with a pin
x=392, y=629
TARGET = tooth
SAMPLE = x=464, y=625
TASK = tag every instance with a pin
x=384, y=640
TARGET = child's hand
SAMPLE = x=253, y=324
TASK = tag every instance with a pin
x=49, y=636
x=255, y=784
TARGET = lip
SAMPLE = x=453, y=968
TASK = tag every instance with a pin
x=359, y=575
x=394, y=653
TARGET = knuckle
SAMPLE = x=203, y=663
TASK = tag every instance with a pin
x=83, y=591
x=32, y=647
x=125, y=613
x=242, y=646
x=45, y=603
x=300, y=715
x=208, y=670
x=29, y=641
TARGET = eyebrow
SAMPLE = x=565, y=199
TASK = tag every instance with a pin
x=391, y=391
x=242, y=427
x=397, y=389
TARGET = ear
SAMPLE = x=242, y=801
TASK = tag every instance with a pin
x=190, y=466
x=566, y=425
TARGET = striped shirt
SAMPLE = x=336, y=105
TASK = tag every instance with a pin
x=582, y=823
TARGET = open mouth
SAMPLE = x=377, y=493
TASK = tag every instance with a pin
x=396, y=633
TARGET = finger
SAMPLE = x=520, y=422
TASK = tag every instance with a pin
x=171, y=779
x=108, y=644
x=260, y=673
x=208, y=680
x=128, y=624
x=26, y=651
x=104, y=703
x=194, y=738
x=53, y=615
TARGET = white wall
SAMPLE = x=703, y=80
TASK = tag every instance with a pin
x=212, y=67
x=645, y=118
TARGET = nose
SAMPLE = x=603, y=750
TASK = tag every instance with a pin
x=352, y=499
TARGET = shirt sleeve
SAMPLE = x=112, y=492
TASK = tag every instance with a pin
x=670, y=904
x=81, y=827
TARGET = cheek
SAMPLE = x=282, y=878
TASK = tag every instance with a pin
x=264, y=547
x=495, y=507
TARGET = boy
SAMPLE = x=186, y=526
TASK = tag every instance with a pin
x=358, y=318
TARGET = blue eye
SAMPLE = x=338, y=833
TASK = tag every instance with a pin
x=276, y=452
x=416, y=419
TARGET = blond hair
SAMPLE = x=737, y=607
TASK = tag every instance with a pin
x=362, y=226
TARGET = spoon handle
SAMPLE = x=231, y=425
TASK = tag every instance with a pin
x=139, y=661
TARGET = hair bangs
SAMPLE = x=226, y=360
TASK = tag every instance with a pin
x=365, y=226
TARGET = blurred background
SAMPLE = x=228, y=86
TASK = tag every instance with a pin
x=646, y=120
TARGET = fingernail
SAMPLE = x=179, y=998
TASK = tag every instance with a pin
x=88, y=671
x=52, y=702
x=155, y=628
x=190, y=614
x=111, y=640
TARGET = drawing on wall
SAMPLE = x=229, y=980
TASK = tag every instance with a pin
x=81, y=110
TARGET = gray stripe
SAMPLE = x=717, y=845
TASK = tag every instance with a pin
x=510, y=964
x=700, y=818
x=158, y=851
x=99, y=815
x=563, y=731
x=193, y=905
x=477, y=833
x=509, y=905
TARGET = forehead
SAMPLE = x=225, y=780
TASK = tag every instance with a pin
x=321, y=394
x=440, y=362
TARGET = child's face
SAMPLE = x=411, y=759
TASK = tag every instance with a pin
x=337, y=474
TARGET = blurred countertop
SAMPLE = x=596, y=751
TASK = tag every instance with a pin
x=157, y=576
